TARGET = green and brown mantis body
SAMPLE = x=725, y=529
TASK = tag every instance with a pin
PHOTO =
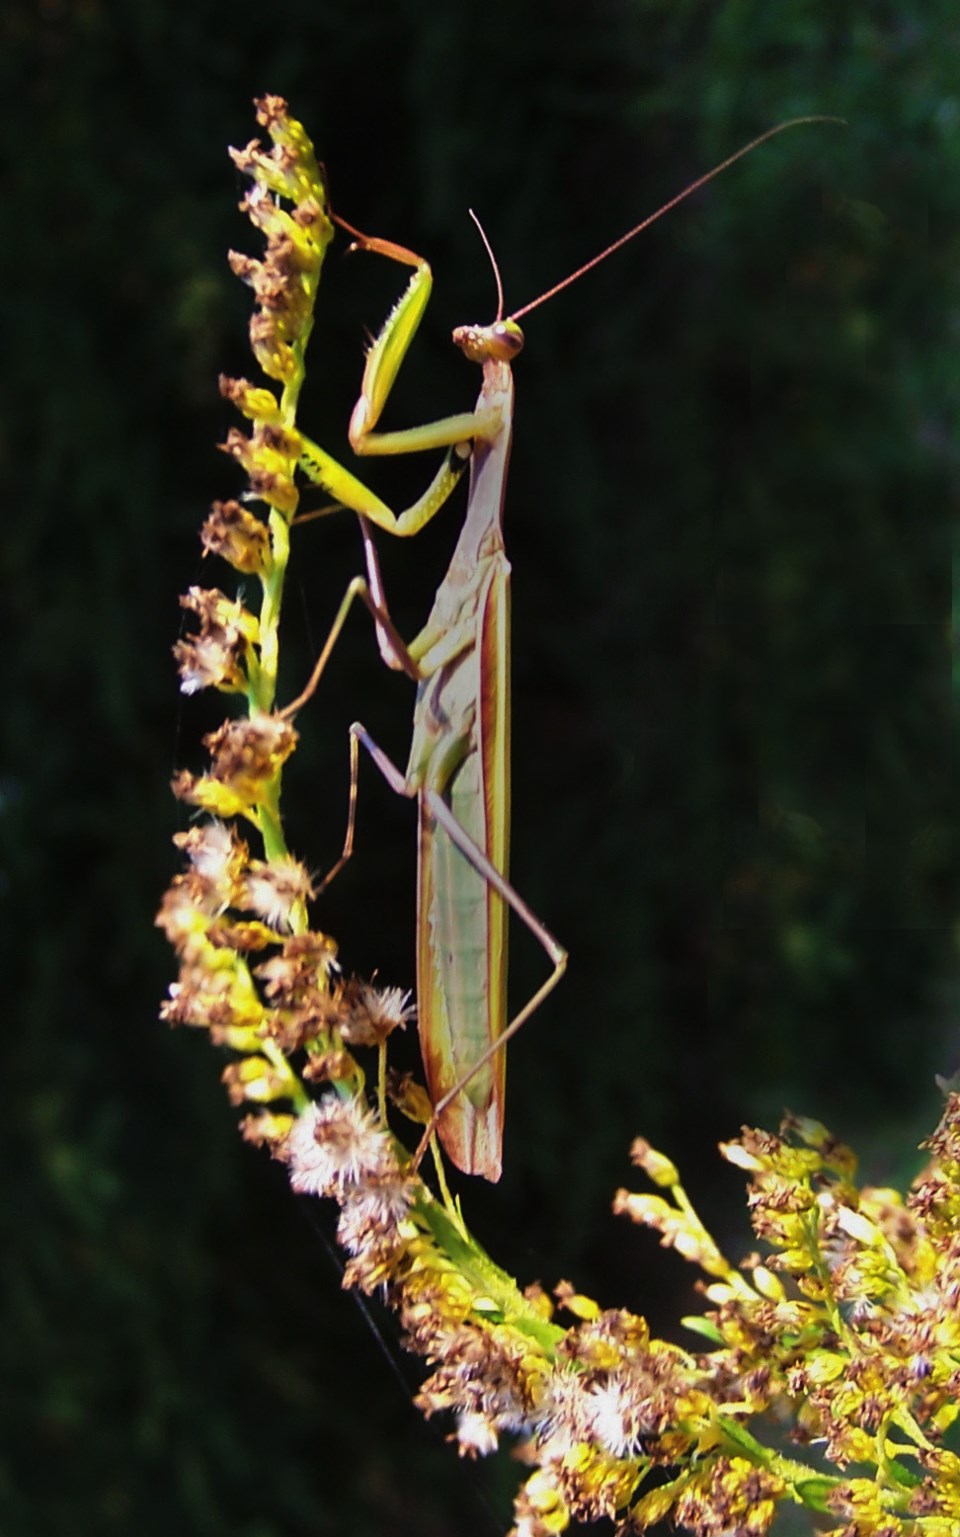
x=458, y=769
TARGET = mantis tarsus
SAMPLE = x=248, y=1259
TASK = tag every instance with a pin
x=458, y=768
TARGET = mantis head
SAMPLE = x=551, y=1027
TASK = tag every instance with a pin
x=500, y=342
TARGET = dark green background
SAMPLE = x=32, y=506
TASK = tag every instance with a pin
x=732, y=504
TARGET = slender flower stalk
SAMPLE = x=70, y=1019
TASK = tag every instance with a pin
x=843, y=1335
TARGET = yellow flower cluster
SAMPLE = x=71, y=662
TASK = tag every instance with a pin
x=849, y=1332
x=229, y=910
x=621, y=1425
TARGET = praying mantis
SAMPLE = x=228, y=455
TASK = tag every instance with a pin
x=458, y=768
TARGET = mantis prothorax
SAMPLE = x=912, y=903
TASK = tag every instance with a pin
x=458, y=769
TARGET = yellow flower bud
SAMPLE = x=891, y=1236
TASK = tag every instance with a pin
x=657, y=1166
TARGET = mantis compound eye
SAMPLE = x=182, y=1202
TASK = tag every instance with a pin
x=506, y=339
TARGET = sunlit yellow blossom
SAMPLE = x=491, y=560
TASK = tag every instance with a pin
x=269, y=457
x=676, y=1228
x=539, y=1509
x=211, y=795
x=187, y=912
x=248, y=753
x=593, y=1483
x=657, y=1167
x=293, y=236
x=290, y=169
x=256, y=1079
x=213, y=988
x=245, y=1038
x=238, y=537
x=257, y=403
x=575, y=1302
x=302, y=971
x=285, y=280
x=267, y=1129
x=654, y=1506
x=768, y=1284
x=218, y=654
x=729, y=1495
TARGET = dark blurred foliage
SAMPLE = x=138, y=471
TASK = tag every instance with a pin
x=732, y=503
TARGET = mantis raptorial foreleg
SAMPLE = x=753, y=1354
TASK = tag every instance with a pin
x=455, y=433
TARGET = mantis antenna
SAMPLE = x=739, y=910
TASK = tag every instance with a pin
x=694, y=186
x=493, y=262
